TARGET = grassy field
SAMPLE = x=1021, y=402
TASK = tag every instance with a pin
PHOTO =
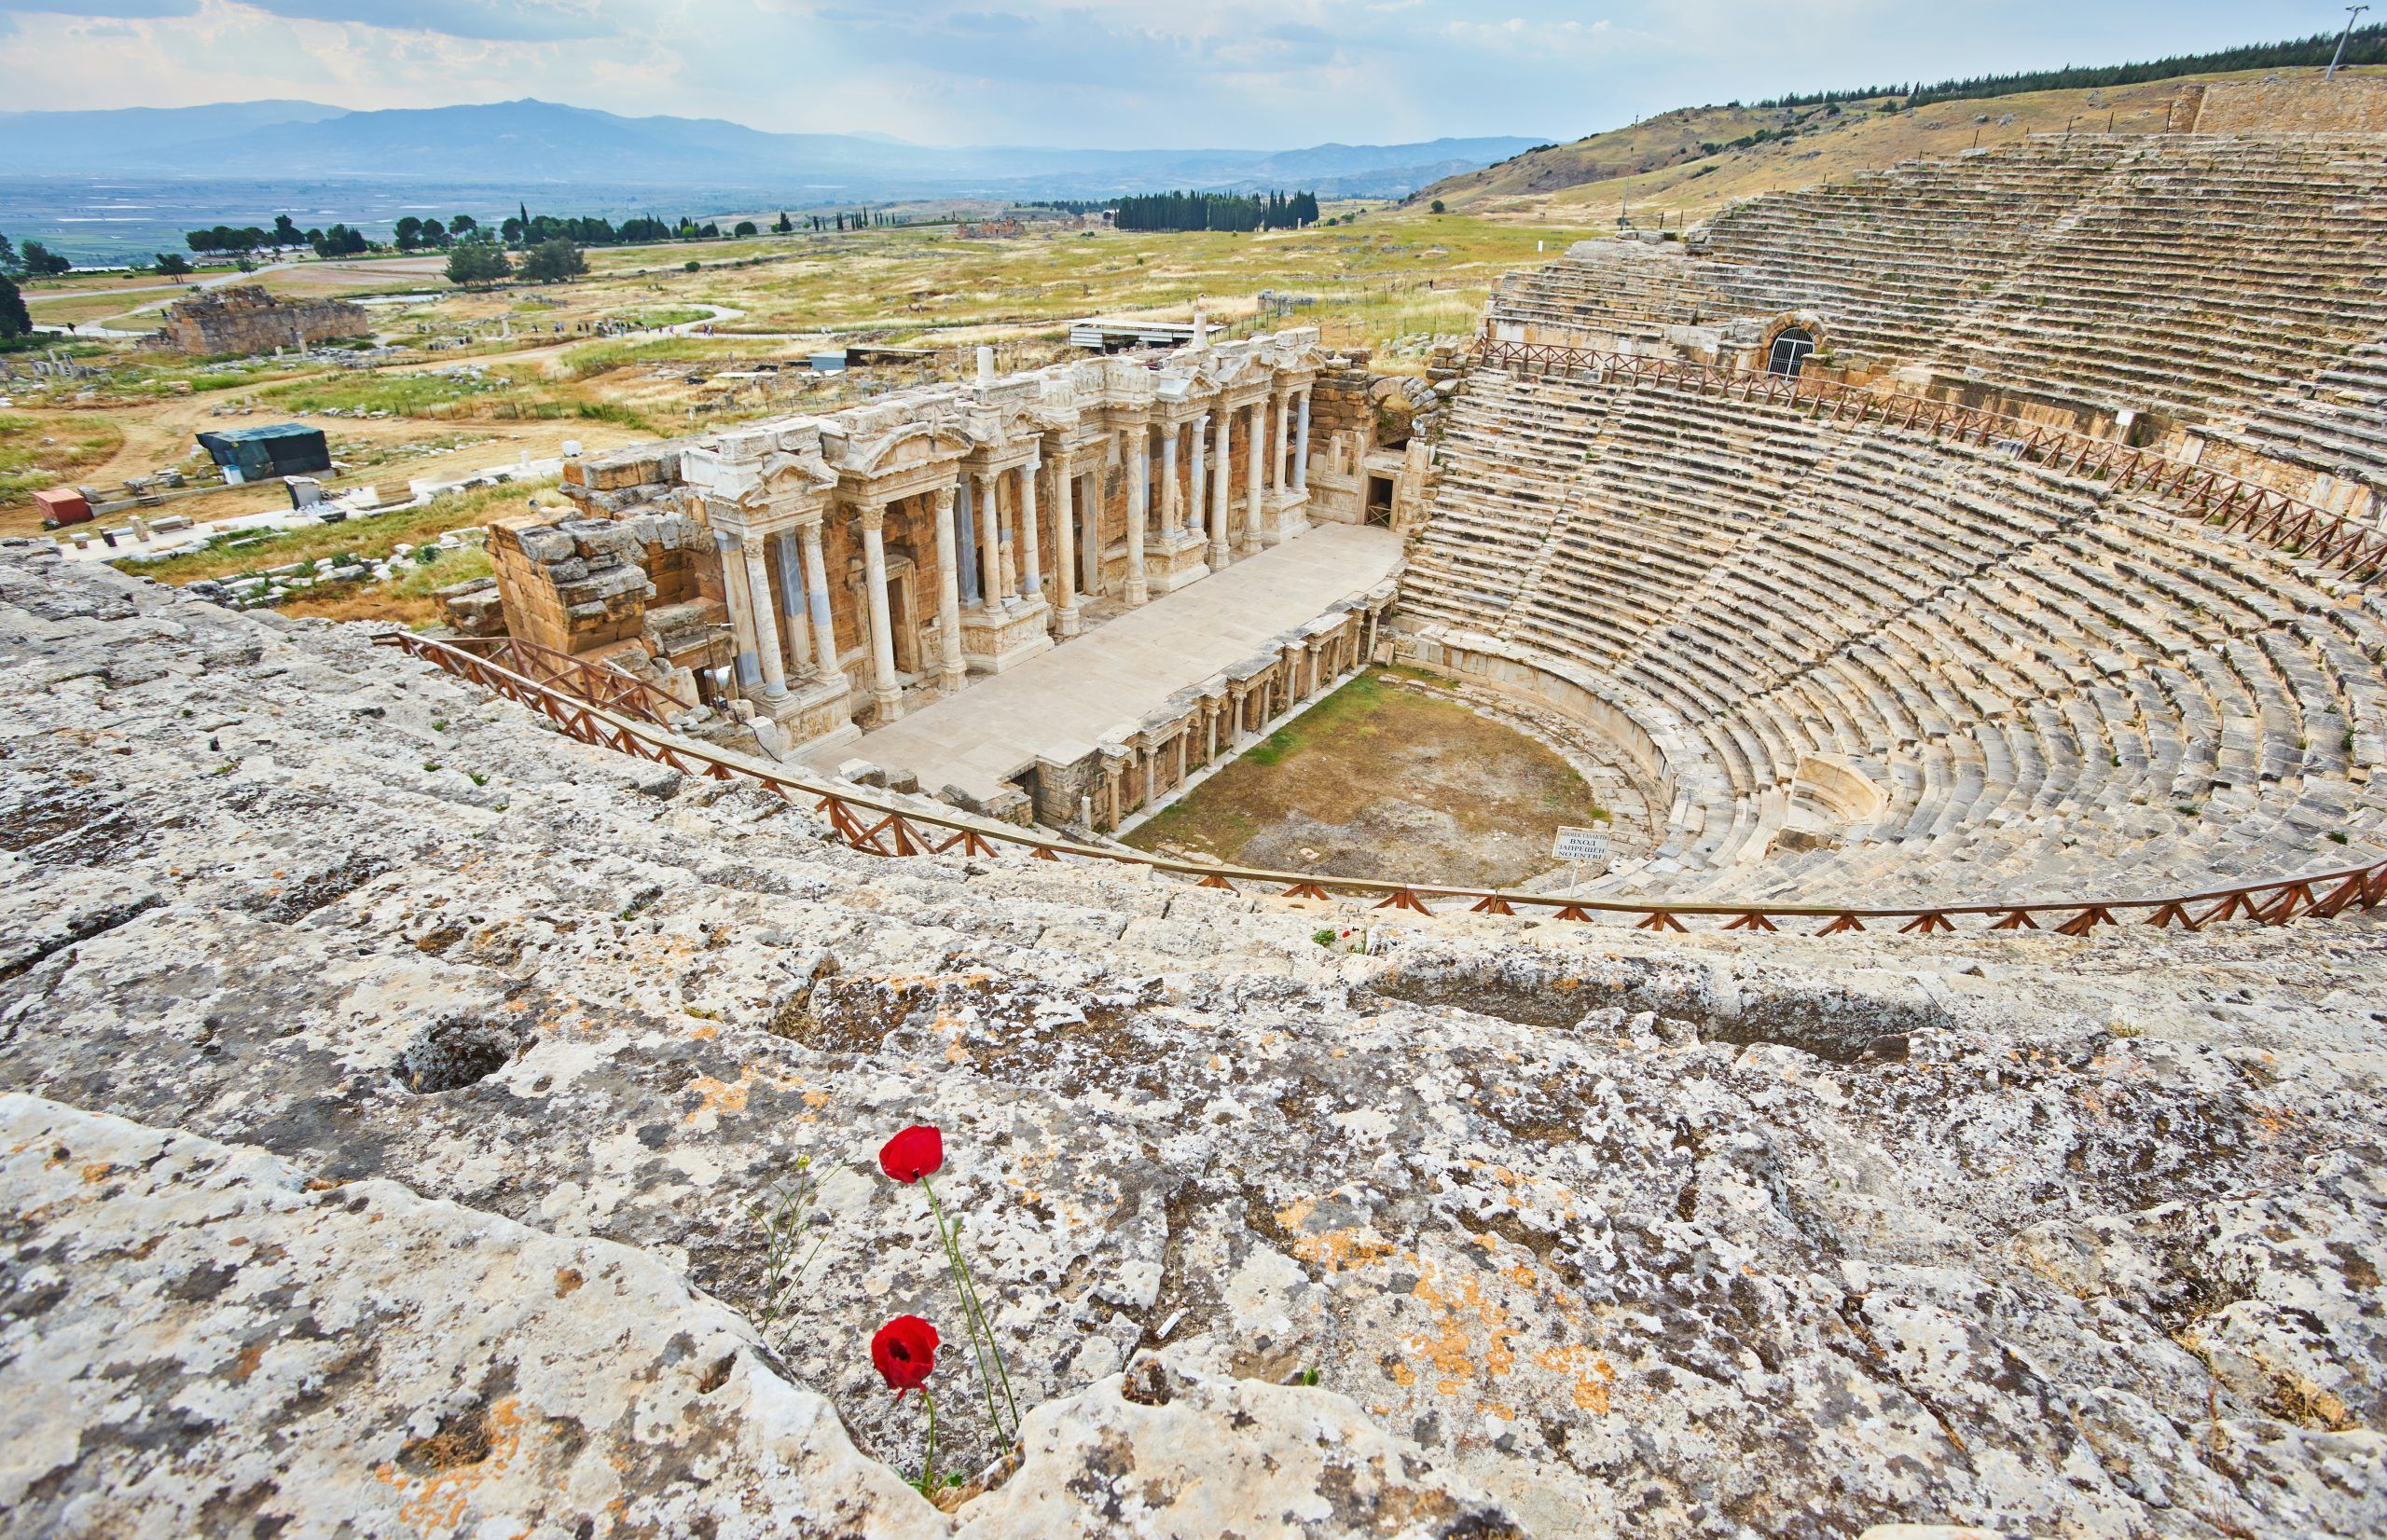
x=404, y=601
x=36, y=453
x=229, y=556
x=1386, y=777
x=1380, y=272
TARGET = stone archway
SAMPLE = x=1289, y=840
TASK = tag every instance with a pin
x=1789, y=340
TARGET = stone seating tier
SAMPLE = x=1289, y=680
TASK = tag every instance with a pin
x=2195, y=276
x=2051, y=685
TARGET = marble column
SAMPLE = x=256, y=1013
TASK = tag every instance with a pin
x=1221, y=489
x=966, y=543
x=1090, y=541
x=1169, y=512
x=816, y=595
x=1197, y=476
x=1139, y=481
x=949, y=596
x=1065, y=535
x=990, y=538
x=1281, y=402
x=1301, y=446
x=766, y=622
x=1031, y=580
x=885, y=693
x=1255, y=464
x=799, y=635
x=734, y=594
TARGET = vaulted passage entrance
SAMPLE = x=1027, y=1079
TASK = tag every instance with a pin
x=1788, y=355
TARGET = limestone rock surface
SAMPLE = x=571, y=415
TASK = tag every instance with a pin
x=1704, y=1236
x=200, y=1341
x=1160, y=1453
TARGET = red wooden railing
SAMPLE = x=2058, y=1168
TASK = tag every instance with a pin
x=887, y=828
x=594, y=681
x=2357, y=552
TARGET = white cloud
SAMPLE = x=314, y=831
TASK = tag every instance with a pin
x=1143, y=73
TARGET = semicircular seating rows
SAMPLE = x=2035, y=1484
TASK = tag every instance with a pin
x=2051, y=687
x=2040, y=687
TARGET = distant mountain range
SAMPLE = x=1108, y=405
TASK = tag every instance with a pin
x=543, y=144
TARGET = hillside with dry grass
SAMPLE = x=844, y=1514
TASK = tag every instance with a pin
x=1688, y=162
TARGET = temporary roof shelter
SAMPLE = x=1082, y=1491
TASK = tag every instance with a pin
x=276, y=449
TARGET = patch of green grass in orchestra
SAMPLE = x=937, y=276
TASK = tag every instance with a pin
x=1319, y=792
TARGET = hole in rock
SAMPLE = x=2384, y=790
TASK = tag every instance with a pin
x=458, y=1051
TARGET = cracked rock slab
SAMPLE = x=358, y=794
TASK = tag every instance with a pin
x=200, y=1341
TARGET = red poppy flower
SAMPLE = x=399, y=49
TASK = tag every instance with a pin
x=917, y=1151
x=904, y=1352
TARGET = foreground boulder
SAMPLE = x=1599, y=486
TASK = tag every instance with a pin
x=201, y=1341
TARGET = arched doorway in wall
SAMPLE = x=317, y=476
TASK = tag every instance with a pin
x=1788, y=355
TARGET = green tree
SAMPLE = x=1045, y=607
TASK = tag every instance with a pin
x=286, y=233
x=10, y=261
x=1436, y=206
x=553, y=261
x=408, y=233
x=745, y=226
x=15, y=321
x=462, y=224
x=433, y=233
x=173, y=263
x=40, y=263
x=785, y=226
x=478, y=263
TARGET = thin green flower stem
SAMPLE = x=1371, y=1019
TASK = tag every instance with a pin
x=928, y=1468
x=969, y=1283
x=969, y=1306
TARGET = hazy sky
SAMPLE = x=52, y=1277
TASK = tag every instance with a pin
x=1258, y=74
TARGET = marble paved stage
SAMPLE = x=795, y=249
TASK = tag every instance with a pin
x=1115, y=673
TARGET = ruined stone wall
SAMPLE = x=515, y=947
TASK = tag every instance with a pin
x=2300, y=103
x=580, y=583
x=249, y=320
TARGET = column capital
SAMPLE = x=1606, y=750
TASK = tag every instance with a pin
x=945, y=499
x=873, y=516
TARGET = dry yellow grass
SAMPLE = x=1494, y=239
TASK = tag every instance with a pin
x=1656, y=165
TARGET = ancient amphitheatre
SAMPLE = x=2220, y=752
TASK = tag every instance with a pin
x=1954, y=1103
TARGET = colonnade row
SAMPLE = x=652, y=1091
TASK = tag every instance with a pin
x=1228, y=714
x=984, y=514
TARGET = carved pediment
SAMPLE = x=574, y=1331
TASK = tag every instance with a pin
x=903, y=448
x=785, y=475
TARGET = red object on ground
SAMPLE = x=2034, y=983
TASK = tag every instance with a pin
x=904, y=1352
x=64, y=505
x=914, y=1153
